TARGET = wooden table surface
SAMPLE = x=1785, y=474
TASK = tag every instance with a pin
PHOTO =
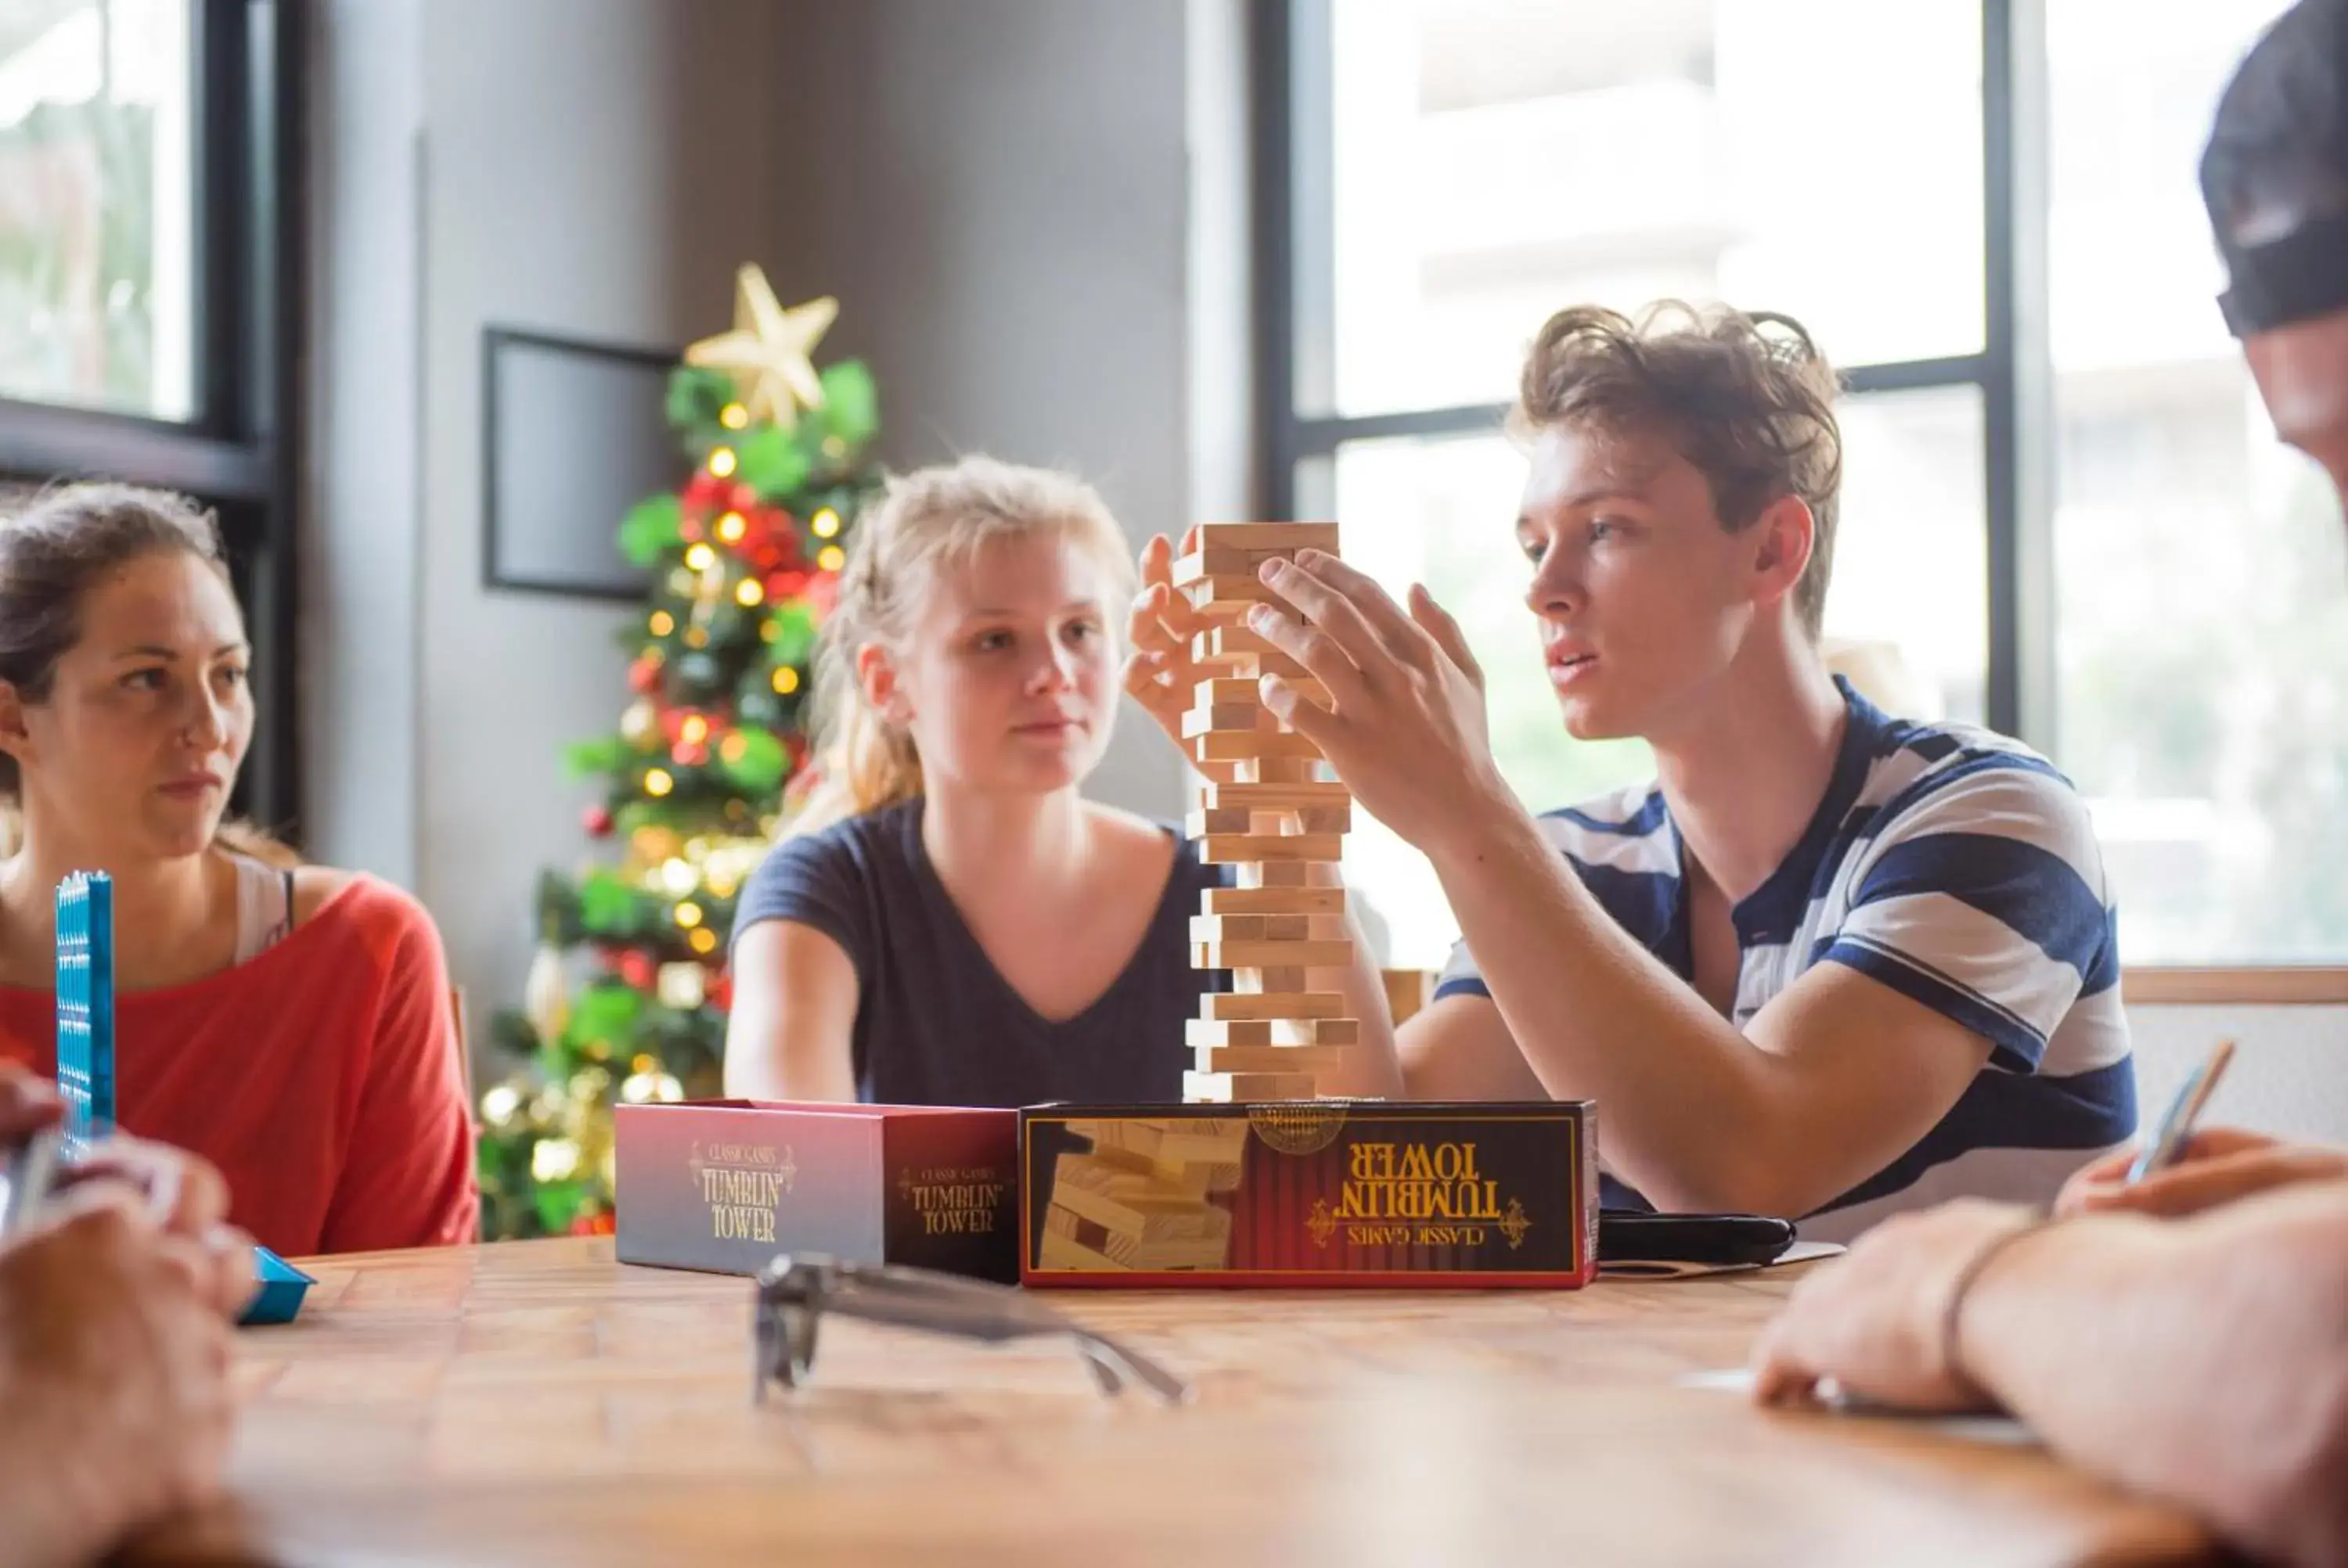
x=538, y=1403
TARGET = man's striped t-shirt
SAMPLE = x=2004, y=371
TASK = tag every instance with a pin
x=1952, y=865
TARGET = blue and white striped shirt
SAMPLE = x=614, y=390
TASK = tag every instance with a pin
x=1952, y=865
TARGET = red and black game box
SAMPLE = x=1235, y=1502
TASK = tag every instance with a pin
x=724, y=1184
x=1310, y=1192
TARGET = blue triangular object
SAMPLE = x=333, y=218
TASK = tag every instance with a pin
x=283, y=1287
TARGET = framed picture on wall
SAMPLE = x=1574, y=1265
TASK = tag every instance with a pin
x=573, y=435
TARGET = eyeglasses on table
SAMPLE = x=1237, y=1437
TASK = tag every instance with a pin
x=797, y=1289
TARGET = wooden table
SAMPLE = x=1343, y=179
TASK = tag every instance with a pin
x=539, y=1403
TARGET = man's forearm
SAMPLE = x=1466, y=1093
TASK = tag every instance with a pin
x=1597, y=1017
x=2204, y=1361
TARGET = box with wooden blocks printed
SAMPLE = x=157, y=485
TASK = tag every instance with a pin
x=726, y=1185
x=1325, y=1193
x=1266, y=1175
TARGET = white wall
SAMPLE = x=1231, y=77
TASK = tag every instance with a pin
x=2289, y=1073
x=998, y=192
x=1000, y=206
x=361, y=549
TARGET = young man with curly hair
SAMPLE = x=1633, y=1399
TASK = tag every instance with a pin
x=1831, y=963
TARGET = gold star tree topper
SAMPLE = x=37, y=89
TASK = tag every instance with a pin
x=768, y=351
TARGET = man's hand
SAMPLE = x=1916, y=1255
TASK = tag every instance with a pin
x=181, y=1193
x=28, y=1103
x=113, y=1358
x=1873, y=1321
x=2218, y=1165
x=1405, y=729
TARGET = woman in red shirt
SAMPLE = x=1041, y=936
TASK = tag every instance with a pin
x=292, y=1024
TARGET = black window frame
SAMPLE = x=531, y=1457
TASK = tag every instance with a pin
x=238, y=450
x=2012, y=372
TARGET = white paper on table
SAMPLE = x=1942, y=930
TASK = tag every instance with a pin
x=2001, y=1429
x=1800, y=1252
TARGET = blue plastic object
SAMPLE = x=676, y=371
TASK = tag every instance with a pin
x=283, y=1287
x=85, y=1061
x=86, y=1008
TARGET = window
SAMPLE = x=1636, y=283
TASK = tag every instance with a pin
x=96, y=160
x=148, y=301
x=2063, y=513
x=2200, y=597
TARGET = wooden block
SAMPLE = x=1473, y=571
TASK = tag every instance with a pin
x=1175, y=1253
x=1281, y=1031
x=1130, y=1203
x=1278, y=769
x=1306, y=795
x=1268, y=1057
x=1232, y=848
x=1252, y=745
x=1233, y=1088
x=1190, y=569
x=1064, y=1252
x=1273, y=901
x=1237, y=647
x=1251, y=928
x=1407, y=990
x=1169, y=1141
x=1199, y=824
x=1270, y=955
x=1230, y=718
x=1326, y=819
x=1246, y=689
x=1256, y=978
x=1281, y=873
x=1218, y=1005
x=1283, y=538
x=1228, y=598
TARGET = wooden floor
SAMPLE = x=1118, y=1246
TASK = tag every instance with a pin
x=538, y=1403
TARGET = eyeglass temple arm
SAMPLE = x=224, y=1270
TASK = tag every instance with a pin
x=1112, y=1363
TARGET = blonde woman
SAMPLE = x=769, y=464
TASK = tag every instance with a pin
x=950, y=922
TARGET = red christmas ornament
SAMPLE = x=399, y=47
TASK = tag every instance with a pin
x=719, y=992
x=644, y=674
x=636, y=971
x=689, y=529
x=597, y=821
x=782, y=586
x=689, y=753
x=744, y=498
x=707, y=492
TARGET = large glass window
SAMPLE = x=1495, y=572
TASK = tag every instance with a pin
x=1457, y=170
x=150, y=304
x=97, y=205
x=2201, y=599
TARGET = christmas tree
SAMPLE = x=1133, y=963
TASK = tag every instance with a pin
x=745, y=558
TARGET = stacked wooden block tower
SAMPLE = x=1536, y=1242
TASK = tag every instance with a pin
x=1143, y=1199
x=1266, y=811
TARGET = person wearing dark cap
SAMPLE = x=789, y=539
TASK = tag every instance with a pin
x=2185, y=1335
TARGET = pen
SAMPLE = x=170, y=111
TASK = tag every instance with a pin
x=2169, y=1138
